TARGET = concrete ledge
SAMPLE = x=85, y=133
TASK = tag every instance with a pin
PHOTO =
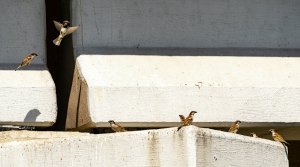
x=27, y=97
x=151, y=91
x=191, y=146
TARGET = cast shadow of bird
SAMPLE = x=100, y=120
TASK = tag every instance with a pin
x=32, y=115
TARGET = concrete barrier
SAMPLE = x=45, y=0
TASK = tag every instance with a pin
x=191, y=146
x=27, y=96
x=151, y=91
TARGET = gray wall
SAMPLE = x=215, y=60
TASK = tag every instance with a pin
x=187, y=23
x=22, y=30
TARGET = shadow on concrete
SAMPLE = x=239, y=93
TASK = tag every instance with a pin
x=13, y=67
x=257, y=52
x=32, y=115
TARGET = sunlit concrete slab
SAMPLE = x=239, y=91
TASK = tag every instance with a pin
x=152, y=90
x=191, y=146
x=27, y=97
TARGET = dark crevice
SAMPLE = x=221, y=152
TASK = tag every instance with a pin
x=78, y=104
x=60, y=59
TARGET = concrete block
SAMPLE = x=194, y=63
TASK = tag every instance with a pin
x=27, y=97
x=191, y=146
x=186, y=24
x=151, y=91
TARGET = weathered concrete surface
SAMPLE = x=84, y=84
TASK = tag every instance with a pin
x=191, y=146
x=22, y=135
x=27, y=97
x=151, y=91
x=22, y=30
x=190, y=23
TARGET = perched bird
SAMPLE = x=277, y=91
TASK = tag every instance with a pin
x=64, y=30
x=277, y=137
x=186, y=121
x=27, y=60
x=116, y=127
x=254, y=135
x=234, y=127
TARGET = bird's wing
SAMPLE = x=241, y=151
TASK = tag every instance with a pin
x=71, y=29
x=277, y=136
x=232, y=128
x=188, y=121
x=26, y=60
x=182, y=118
x=121, y=128
x=57, y=25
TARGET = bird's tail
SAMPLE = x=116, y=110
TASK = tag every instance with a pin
x=179, y=127
x=285, y=148
x=57, y=41
x=18, y=67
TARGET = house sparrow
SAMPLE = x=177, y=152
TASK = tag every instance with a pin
x=277, y=137
x=186, y=121
x=234, y=127
x=254, y=135
x=27, y=60
x=64, y=30
x=116, y=127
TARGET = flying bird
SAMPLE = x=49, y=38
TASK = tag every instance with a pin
x=254, y=135
x=116, y=127
x=277, y=137
x=64, y=30
x=27, y=60
x=186, y=121
x=234, y=127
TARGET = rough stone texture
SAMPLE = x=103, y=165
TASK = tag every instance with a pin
x=151, y=91
x=190, y=23
x=191, y=146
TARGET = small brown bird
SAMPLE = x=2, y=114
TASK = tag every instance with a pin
x=254, y=135
x=234, y=127
x=116, y=127
x=27, y=60
x=64, y=30
x=277, y=137
x=186, y=121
